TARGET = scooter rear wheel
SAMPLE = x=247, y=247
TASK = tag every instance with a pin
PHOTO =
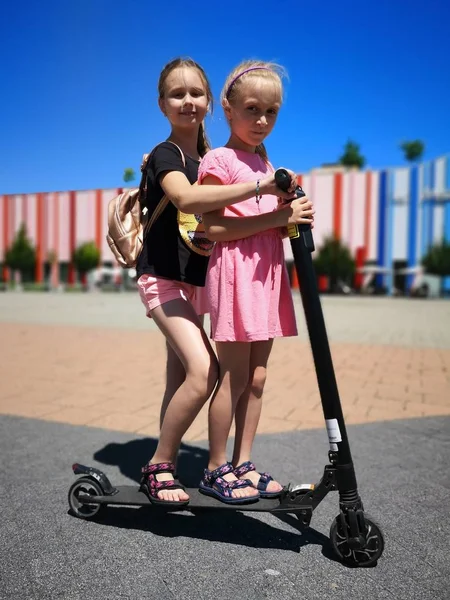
x=85, y=485
x=361, y=557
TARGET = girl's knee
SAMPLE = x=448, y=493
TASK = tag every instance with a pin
x=238, y=384
x=203, y=378
x=213, y=375
x=258, y=381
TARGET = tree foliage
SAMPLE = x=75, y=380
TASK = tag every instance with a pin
x=129, y=175
x=335, y=260
x=21, y=255
x=437, y=260
x=86, y=257
x=413, y=150
x=352, y=156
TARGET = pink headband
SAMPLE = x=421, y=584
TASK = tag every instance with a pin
x=233, y=81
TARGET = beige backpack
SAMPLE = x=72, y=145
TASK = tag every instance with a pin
x=128, y=221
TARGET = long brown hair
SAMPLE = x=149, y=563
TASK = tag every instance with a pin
x=203, y=145
x=241, y=73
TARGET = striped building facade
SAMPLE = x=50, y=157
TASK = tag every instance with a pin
x=386, y=216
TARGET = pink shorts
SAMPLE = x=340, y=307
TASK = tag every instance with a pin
x=155, y=291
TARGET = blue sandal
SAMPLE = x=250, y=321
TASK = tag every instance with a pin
x=263, y=482
x=213, y=484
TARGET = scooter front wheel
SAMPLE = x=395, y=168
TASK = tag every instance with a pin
x=366, y=556
x=85, y=485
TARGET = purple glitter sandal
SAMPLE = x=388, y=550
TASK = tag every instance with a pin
x=151, y=486
x=213, y=484
x=263, y=482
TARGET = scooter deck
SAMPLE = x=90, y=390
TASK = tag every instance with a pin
x=130, y=495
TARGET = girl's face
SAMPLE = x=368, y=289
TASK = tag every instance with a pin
x=185, y=100
x=254, y=110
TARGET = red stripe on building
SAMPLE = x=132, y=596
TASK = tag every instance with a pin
x=351, y=199
x=25, y=211
x=367, y=209
x=12, y=216
x=72, y=235
x=39, y=272
x=337, y=205
x=54, y=267
x=360, y=259
x=56, y=224
x=98, y=219
x=45, y=226
x=5, y=234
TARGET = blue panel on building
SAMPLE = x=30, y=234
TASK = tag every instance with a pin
x=412, y=222
x=381, y=241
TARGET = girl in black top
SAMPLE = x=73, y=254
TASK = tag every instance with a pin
x=172, y=267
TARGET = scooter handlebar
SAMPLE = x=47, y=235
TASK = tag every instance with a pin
x=283, y=181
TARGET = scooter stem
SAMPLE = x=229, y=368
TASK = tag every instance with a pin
x=302, y=245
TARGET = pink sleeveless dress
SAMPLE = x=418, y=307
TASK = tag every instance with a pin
x=247, y=282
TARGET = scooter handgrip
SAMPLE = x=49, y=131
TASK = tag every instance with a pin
x=283, y=181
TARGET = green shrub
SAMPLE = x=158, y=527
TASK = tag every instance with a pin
x=86, y=257
x=21, y=255
x=437, y=260
x=335, y=260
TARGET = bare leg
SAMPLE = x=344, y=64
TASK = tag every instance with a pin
x=248, y=410
x=234, y=367
x=183, y=330
x=175, y=376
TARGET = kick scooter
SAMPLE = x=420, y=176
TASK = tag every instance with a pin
x=356, y=538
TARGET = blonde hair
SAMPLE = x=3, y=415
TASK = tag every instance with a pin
x=203, y=145
x=242, y=73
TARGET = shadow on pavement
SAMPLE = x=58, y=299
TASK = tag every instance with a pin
x=230, y=527
x=133, y=455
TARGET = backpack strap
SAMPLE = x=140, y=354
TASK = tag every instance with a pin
x=143, y=186
x=180, y=151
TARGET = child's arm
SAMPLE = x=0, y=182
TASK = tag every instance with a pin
x=201, y=198
x=227, y=229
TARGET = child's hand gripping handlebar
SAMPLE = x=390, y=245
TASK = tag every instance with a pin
x=283, y=181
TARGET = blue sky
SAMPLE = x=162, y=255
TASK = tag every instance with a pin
x=78, y=98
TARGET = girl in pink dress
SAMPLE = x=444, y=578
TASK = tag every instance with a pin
x=173, y=264
x=248, y=287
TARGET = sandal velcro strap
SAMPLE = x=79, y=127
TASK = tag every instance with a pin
x=157, y=468
x=264, y=481
x=226, y=488
x=239, y=483
x=244, y=468
x=211, y=476
x=164, y=485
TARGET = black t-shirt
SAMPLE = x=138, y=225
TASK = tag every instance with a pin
x=176, y=246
